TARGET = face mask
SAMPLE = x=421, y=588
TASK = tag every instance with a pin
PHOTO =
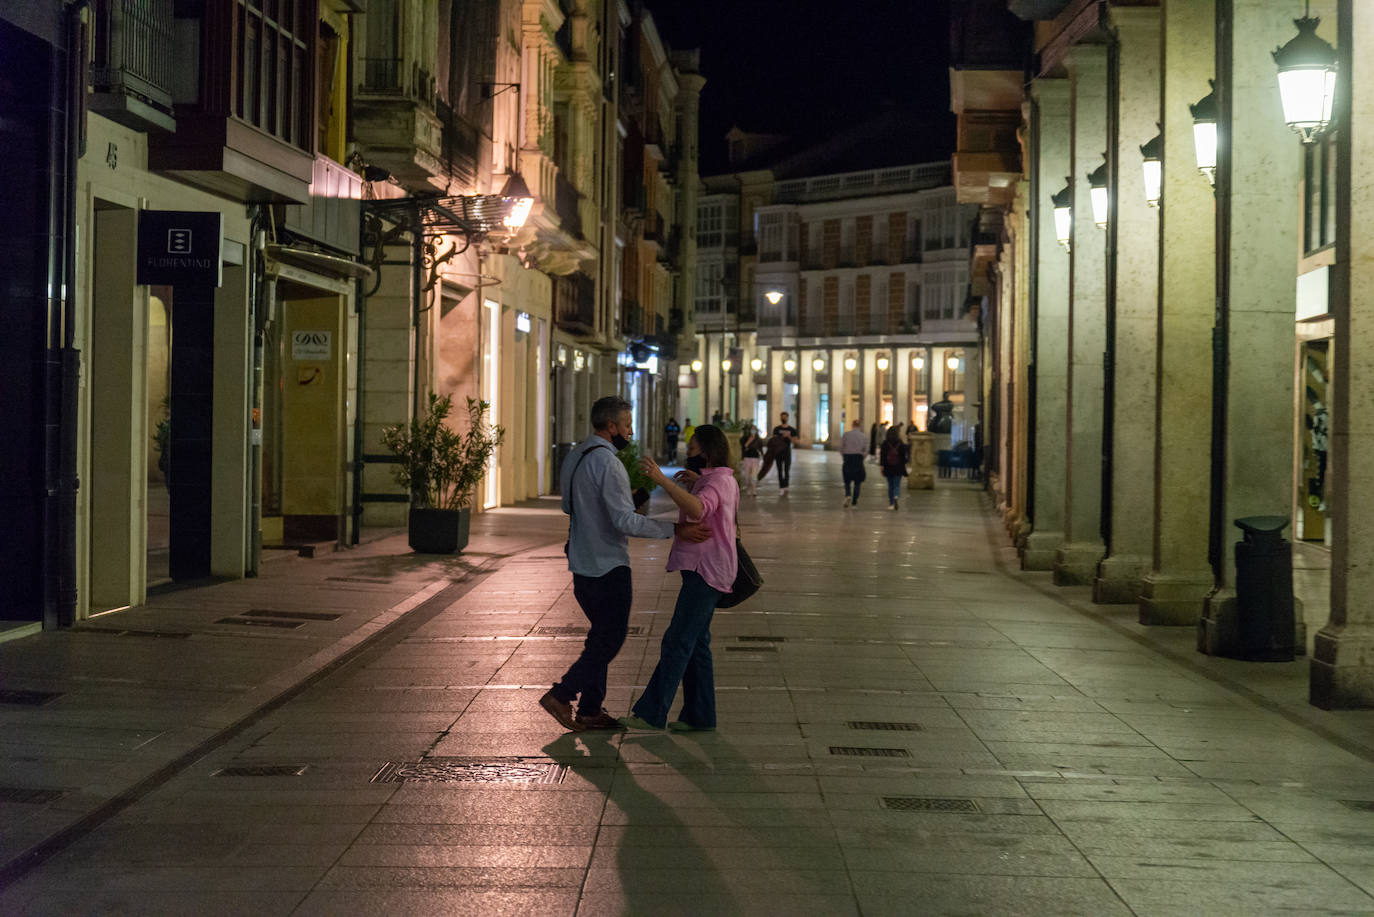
x=696, y=463
x=619, y=442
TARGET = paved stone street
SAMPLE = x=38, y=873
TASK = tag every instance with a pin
x=908, y=725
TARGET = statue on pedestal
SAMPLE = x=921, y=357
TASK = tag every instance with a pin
x=941, y=415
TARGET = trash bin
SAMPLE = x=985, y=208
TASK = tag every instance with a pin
x=1264, y=590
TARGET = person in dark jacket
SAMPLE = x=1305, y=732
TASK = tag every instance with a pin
x=892, y=458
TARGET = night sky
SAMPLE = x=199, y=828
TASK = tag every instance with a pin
x=808, y=68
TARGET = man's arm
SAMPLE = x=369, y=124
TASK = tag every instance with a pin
x=615, y=490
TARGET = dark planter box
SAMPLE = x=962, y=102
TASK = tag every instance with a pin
x=439, y=531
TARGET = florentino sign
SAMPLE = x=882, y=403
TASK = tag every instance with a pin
x=179, y=248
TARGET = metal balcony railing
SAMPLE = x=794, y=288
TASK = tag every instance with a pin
x=132, y=50
x=574, y=303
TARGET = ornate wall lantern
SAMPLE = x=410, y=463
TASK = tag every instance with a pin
x=1307, y=79
x=1153, y=153
x=1205, y=133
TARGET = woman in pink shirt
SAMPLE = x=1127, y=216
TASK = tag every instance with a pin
x=708, y=572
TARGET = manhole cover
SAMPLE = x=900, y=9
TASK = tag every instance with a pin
x=1362, y=805
x=890, y=727
x=291, y=615
x=766, y=648
x=564, y=630
x=860, y=752
x=256, y=622
x=473, y=770
x=29, y=698
x=761, y=639
x=27, y=795
x=261, y=770
x=928, y=804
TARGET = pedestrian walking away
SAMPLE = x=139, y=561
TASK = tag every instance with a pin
x=893, y=457
x=873, y=442
x=601, y=518
x=783, y=457
x=751, y=457
x=705, y=493
x=670, y=434
x=853, y=446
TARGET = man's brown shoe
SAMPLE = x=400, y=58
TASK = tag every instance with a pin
x=602, y=720
x=563, y=712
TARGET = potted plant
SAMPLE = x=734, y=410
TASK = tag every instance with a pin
x=442, y=468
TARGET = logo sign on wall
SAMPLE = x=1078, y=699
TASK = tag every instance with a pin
x=309, y=346
x=179, y=247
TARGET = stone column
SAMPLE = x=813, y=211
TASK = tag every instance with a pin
x=805, y=419
x=1258, y=175
x=1050, y=328
x=901, y=385
x=1136, y=236
x=1076, y=561
x=1174, y=590
x=871, y=408
x=1343, y=652
x=775, y=375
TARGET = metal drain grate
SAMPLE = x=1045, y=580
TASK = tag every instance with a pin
x=929, y=804
x=535, y=771
x=860, y=752
x=888, y=727
x=29, y=698
x=563, y=630
x=637, y=630
x=291, y=615
x=357, y=579
x=1360, y=805
x=255, y=622
x=766, y=648
x=761, y=639
x=261, y=770
x=112, y=632
x=25, y=795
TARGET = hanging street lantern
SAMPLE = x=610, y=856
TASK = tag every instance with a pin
x=1307, y=79
x=953, y=363
x=756, y=364
x=1205, y=133
x=850, y=363
x=696, y=366
x=882, y=364
x=818, y=365
x=1153, y=153
x=1097, y=185
x=789, y=366
x=918, y=363
x=1063, y=214
x=773, y=296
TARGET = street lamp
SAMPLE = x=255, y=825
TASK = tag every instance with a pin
x=789, y=366
x=696, y=366
x=882, y=364
x=953, y=363
x=918, y=363
x=727, y=364
x=1307, y=79
x=818, y=364
x=1153, y=165
x=850, y=363
x=1063, y=214
x=517, y=195
x=1097, y=188
x=1205, y=133
x=756, y=364
x=773, y=296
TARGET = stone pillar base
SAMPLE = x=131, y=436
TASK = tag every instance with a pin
x=1118, y=579
x=1017, y=525
x=1174, y=599
x=1040, y=549
x=1342, y=668
x=922, y=476
x=1218, y=629
x=1075, y=564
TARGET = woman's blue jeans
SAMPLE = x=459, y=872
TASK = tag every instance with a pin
x=685, y=658
x=894, y=488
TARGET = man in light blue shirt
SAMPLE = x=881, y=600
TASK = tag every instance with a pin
x=596, y=497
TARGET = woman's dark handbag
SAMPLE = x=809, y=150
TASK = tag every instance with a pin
x=747, y=579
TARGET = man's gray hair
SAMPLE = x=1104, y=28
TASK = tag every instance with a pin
x=608, y=410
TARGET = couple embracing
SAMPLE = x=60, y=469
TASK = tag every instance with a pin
x=596, y=497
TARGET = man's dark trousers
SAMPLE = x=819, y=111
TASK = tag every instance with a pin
x=605, y=600
x=784, y=468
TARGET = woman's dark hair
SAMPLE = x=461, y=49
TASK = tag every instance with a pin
x=893, y=436
x=713, y=445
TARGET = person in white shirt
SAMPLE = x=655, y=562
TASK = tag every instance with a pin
x=853, y=445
